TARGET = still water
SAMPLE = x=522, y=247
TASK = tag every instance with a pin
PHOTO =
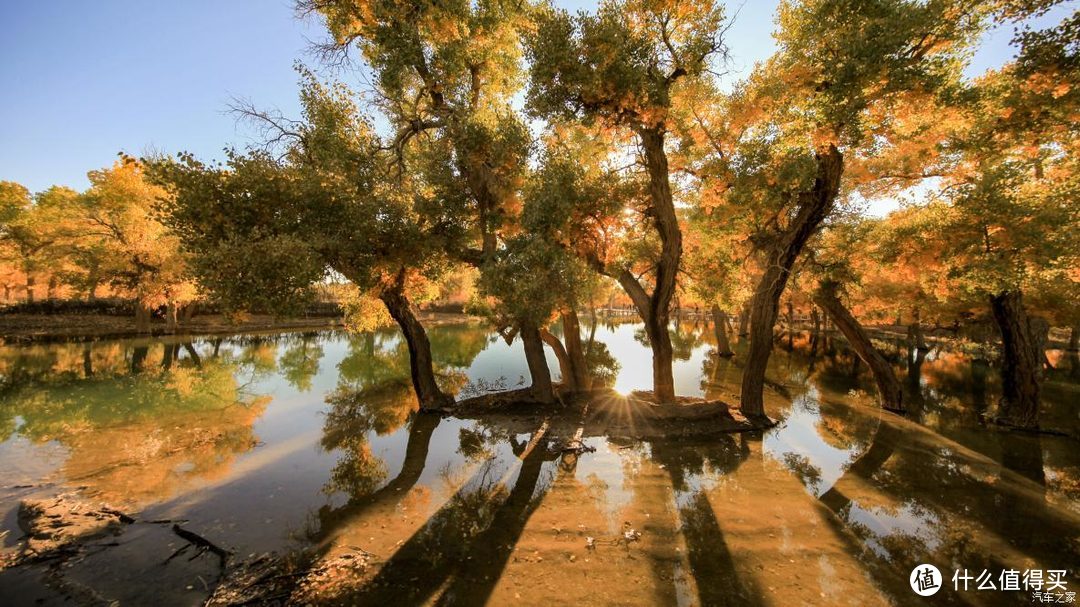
x=282, y=442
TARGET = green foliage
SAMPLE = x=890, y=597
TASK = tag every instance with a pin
x=263, y=229
x=530, y=279
x=619, y=63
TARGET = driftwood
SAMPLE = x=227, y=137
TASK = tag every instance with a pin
x=200, y=542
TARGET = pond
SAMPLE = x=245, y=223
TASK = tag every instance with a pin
x=277, y=443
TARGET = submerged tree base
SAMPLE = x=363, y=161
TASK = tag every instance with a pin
x=605, y=412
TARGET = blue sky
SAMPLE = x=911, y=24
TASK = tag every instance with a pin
x=85, y=80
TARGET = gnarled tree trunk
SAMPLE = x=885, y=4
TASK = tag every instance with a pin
x=723, y=346
x=421, y=366
x=565, y=368
x=814, y=206
x=575, y=350
x=1019, y=366
x=890, y=393
x=542, y=389
x=655, y=308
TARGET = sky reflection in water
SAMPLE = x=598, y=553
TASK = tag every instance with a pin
x=274, y=442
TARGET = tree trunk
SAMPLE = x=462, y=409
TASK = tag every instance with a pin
x=815, y=318
x=790, y=316
x=87, y=361
x=170, y=317
x=979, y=370
x=421, y=366
x=169, y=353
x=915, y=331
x=1040, y=336
x=569, y=381
x=138, y=358
x=890, y=393
x=142, y=318
x=1019, y=369
x=50, y=292
x=189, y=312
x=723, y=346
x=29, y=288
x=574, y=349
x=193, y=354
x=814, y=206
x=542, y=389
x=744, y=321
x=665, y=220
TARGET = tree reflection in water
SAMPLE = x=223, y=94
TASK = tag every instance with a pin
x=140, y=420
x=835, y=502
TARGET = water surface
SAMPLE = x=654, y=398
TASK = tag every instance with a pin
x=273, y=443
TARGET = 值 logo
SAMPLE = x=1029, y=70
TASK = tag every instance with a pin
x=925, y=580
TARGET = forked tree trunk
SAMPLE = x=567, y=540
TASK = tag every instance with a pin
x=723, y=345
x=1019, y=367
x=569, y=382
x=655, y=308
x=542, y=389
x=579, y=368
x=814, y=206
x=421, y=366
x=890, y=393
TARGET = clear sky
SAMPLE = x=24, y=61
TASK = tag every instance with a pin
x=84, y=80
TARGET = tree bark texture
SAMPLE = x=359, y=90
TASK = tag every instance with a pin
x=813, y=207
x=542, y=389
x=890, y=393
x=421, y=365
x=1019, y=366
x=723, y=345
